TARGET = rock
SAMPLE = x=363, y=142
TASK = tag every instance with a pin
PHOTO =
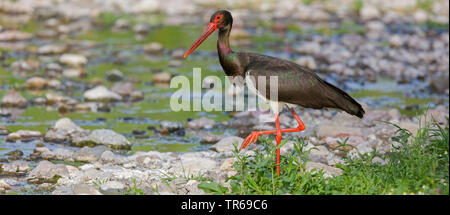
x=105, y=137
x=13, y=99
x=47, y=33
x=84, y=107
x=15, y=168
x=201, y=123
x=411, y=127
x=52, y=23
x=12, y=137
x=25, y=66
x=114, y=75
x=4, y=185
x=79, y=138
x=334, y=130
x=36, y=83
x=14, y=155
x=319, y=155
x=227, y=144
x=123, y=89
x=24, y=135
x=178, y=54
x=137, y=96
x=308, y=62
x=379, y=160
x=66, y=124
x=40, y=101
x=56, y=136
x=101, y=94
x=73, y=73
x=53, y=67
x=171, y=126
x=13, y=35
x=371, y=117
x=439, y=83
x=73, y=171
x=210, y=138
x=327, y=170
x=287, y=148
x=47, y=155
x=394, y=114
x=54, y=98
x=227, y=165
x=440, y=114
x=99, y=150
x=420, y=16
x=175, y=63
x=309, y=48
x=121, y=24
x=41, y=150
x=142, y=28
x=108, y=156
x=396, y=41
x=62, y=190
x=369, y=12
x=63, y=154
x=192, y=188
x=332, y=142
x=73, y=60
x=52, y=49
x=194, y=166
x=84, y=189
x=146, y=6
x=112, y=187
x=162, y=77
x=154, y=48
x=47, y=172
x=85, y=155
x=375, y=27
x=3, y=130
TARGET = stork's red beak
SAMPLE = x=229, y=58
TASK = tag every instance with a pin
x=208, y=31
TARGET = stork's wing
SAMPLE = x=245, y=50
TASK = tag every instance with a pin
x=297, y=85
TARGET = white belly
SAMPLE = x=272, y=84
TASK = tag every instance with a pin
x=275, y=106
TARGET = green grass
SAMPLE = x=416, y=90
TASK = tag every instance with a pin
x=358, y=5
x=419, y=165
x=425, y=5
x=134, y=190
x=346, y=27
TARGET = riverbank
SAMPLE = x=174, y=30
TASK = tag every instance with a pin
x=85, y=97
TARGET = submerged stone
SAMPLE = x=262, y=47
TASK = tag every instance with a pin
x=101, y=94
x=104, y=137
x=13, y=99
x=47, y=172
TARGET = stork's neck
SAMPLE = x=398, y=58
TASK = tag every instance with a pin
x=223, y=43
x=227, y=58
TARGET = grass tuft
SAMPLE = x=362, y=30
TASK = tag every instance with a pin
x=416, y=165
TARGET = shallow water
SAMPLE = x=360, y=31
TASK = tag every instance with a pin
x=122, y=51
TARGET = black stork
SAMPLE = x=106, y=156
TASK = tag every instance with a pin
x=296, y=84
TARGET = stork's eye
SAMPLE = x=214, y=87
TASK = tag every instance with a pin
x=217, y=18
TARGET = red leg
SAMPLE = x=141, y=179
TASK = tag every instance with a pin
x=254, y=135
x=278, y=138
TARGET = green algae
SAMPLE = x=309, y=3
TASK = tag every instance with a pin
x=399, y=101
x=346, y=27
x=170, y=37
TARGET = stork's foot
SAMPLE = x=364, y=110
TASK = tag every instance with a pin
x=252, y=138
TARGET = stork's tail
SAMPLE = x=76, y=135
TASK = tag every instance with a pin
x=346, y=102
